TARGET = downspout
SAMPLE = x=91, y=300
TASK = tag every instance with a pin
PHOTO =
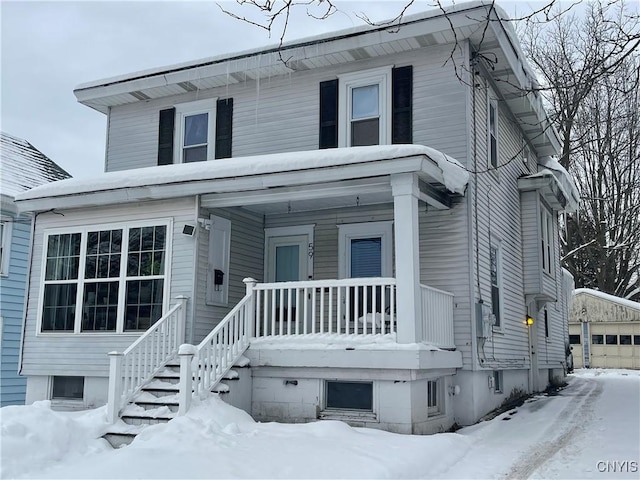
x=27, y=288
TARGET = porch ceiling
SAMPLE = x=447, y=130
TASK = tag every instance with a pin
x=318, y=196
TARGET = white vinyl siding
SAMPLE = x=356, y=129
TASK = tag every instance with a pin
x=281, y=114
x=496, y=201
x=245, y=260
x=86, y=354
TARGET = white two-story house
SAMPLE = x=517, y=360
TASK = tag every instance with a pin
x=370, y=228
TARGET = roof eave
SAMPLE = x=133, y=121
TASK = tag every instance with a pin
x=426, y=168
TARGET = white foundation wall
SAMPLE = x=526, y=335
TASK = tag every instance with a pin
x=285, y=395
x=94, y=394
x=476, y=398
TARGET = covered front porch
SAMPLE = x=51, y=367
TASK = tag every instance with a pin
x=336, y=243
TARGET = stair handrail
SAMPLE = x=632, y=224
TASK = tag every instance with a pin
x=132, y=369
x=222, y=348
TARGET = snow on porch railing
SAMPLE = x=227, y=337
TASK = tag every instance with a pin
x=361, y=306
x=130, y=370
x=437, y=315
x=202, y=367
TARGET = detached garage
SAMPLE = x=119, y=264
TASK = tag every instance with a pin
x=604, y=331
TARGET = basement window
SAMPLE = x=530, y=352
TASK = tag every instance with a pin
x=434, y=397
x=497, y=381
x=349, y=396
x=67, y=388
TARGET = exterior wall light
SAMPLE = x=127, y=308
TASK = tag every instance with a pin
x=529, y=320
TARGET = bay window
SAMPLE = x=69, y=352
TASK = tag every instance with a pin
x=104, y=280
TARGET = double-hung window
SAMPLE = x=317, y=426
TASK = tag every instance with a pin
x=366, y=108
x=492, y=132
x=546, y=240
x=104, y=279
x=195, y=131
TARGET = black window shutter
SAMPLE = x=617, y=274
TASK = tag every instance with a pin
x=165, y=136
x=402, y=105
x=328, y=114
x=224, y=127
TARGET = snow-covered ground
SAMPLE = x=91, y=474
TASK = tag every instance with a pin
x=588, y=430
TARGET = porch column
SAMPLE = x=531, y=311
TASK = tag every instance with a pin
x=405, y=192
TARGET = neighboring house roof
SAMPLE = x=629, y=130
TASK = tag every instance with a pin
x=246, y=174
x=607, y=297
x=22, y=166
x=483, y=24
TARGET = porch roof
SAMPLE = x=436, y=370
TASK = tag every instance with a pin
x=346, y=168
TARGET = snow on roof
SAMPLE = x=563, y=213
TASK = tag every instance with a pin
x=606, y=296
x=324, y=37
x=564, y=178
x=454, y=175
x=22, y=166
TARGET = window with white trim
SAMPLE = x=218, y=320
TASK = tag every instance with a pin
x=492, y=131
x=344, y=395
x=546, y=240
x=195, y=131
x=67, y=388
x=365, y=108
x=497, y=381
x=5, y=244
x=496, y=280
x=434, y=397
x=365, y=250
x=104, y=279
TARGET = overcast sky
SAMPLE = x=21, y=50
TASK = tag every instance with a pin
x=48, y=48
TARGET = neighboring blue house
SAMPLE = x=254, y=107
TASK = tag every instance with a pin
x=21, y=167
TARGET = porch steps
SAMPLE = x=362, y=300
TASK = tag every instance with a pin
x=156, y=403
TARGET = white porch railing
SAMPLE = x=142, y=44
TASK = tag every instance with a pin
x=361, y=306
x=217, y=353
x=130, y=370
x=437, y=315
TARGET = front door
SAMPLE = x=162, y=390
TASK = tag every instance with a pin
x=287, y=258
x=288, y=253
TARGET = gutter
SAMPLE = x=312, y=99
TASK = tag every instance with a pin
x=275, y=49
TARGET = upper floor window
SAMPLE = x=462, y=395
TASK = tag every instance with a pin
x=546, y=240
x=372, y=107
x=5, y=244
x=104, y=280
x=366, y=108
x=492, y=131
x=195, y=131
